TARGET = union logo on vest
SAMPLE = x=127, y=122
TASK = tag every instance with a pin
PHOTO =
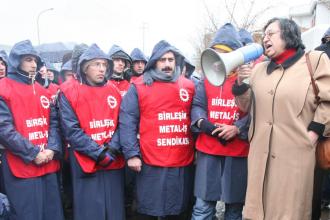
x=184, y=95
x=112, y=102
x=44, y=102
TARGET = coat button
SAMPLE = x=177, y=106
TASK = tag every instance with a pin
x=271, y=92
x=273, y=156
x=270, y=123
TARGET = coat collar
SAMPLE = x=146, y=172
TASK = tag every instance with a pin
x=286, y=64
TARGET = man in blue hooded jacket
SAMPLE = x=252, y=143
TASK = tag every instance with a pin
x=120, y=74
x=3, y=73
x=66, y=72
x=245, y=37
x=139, y=62
x=164, y=154
x=325, y=43
x=89, y=109
x=29, y=132
x=222, y=147
x=3, y=64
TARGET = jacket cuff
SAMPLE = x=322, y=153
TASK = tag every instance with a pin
x=105, y=161
x=132, y=154
x=207, y=127
x=57, y=153
x=238, y=90
x=33, y=154
x=316, y=127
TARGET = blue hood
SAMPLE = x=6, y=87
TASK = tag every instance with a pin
x=159, y=50
x=190, y=68
x=4, y=57
x=117, y=52
x=93, y=52
x=20, y=49
x=67, y=66
x=326, y=34
x=227, y=35
x=245, y=37
x=137, y=55
x=77, y=51
x=51, y=67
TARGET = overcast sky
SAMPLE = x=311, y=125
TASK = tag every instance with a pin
x=108, y=22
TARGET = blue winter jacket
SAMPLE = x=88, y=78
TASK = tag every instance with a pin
x=73, y=133
x=199, y=110
x=129, y=110
x=9, y=136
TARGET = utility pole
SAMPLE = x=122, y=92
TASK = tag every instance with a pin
x=144, y=27
x=38, y=28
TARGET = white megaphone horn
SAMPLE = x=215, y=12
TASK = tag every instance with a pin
x=217, y=65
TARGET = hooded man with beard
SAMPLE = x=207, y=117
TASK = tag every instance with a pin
x=120, y=74
x=29, y=132
x=157, y=106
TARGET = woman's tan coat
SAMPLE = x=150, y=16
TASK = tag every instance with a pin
x=282, y=158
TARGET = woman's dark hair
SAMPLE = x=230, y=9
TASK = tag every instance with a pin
x=290, y=32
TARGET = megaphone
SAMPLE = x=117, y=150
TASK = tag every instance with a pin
x=217, y=65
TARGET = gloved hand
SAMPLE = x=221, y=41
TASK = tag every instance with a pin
x=104, y=159
x=207, y=127
x=4, y=206
x=107, y=156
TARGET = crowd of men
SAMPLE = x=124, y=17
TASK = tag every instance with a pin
x=117, y=136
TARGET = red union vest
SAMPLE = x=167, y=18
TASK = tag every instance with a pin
x=30, y=110
x=122, y=86
x=222, y=109
x=52, y=89
x=133, y=78
x=97, y=109
x=165, y=137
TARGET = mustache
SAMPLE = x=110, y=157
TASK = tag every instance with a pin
x=167, y=69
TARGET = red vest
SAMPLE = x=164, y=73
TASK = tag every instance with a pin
x=133, y=78
x=222, y=109
x=165, y=137
x=29, y=105
x=122, y=86
x=97, y=109
x=52, y=89
x=67, y=83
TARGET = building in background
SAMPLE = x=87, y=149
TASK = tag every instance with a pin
x=314, y=20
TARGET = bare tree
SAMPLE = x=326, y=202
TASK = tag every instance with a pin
x=241, y=13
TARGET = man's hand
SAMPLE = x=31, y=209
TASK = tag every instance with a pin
x=41, y=158
x=226, y=132
x=49, y=154
x=135, y=164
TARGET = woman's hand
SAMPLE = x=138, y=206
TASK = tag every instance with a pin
x=313, y=137
x=244, y=73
